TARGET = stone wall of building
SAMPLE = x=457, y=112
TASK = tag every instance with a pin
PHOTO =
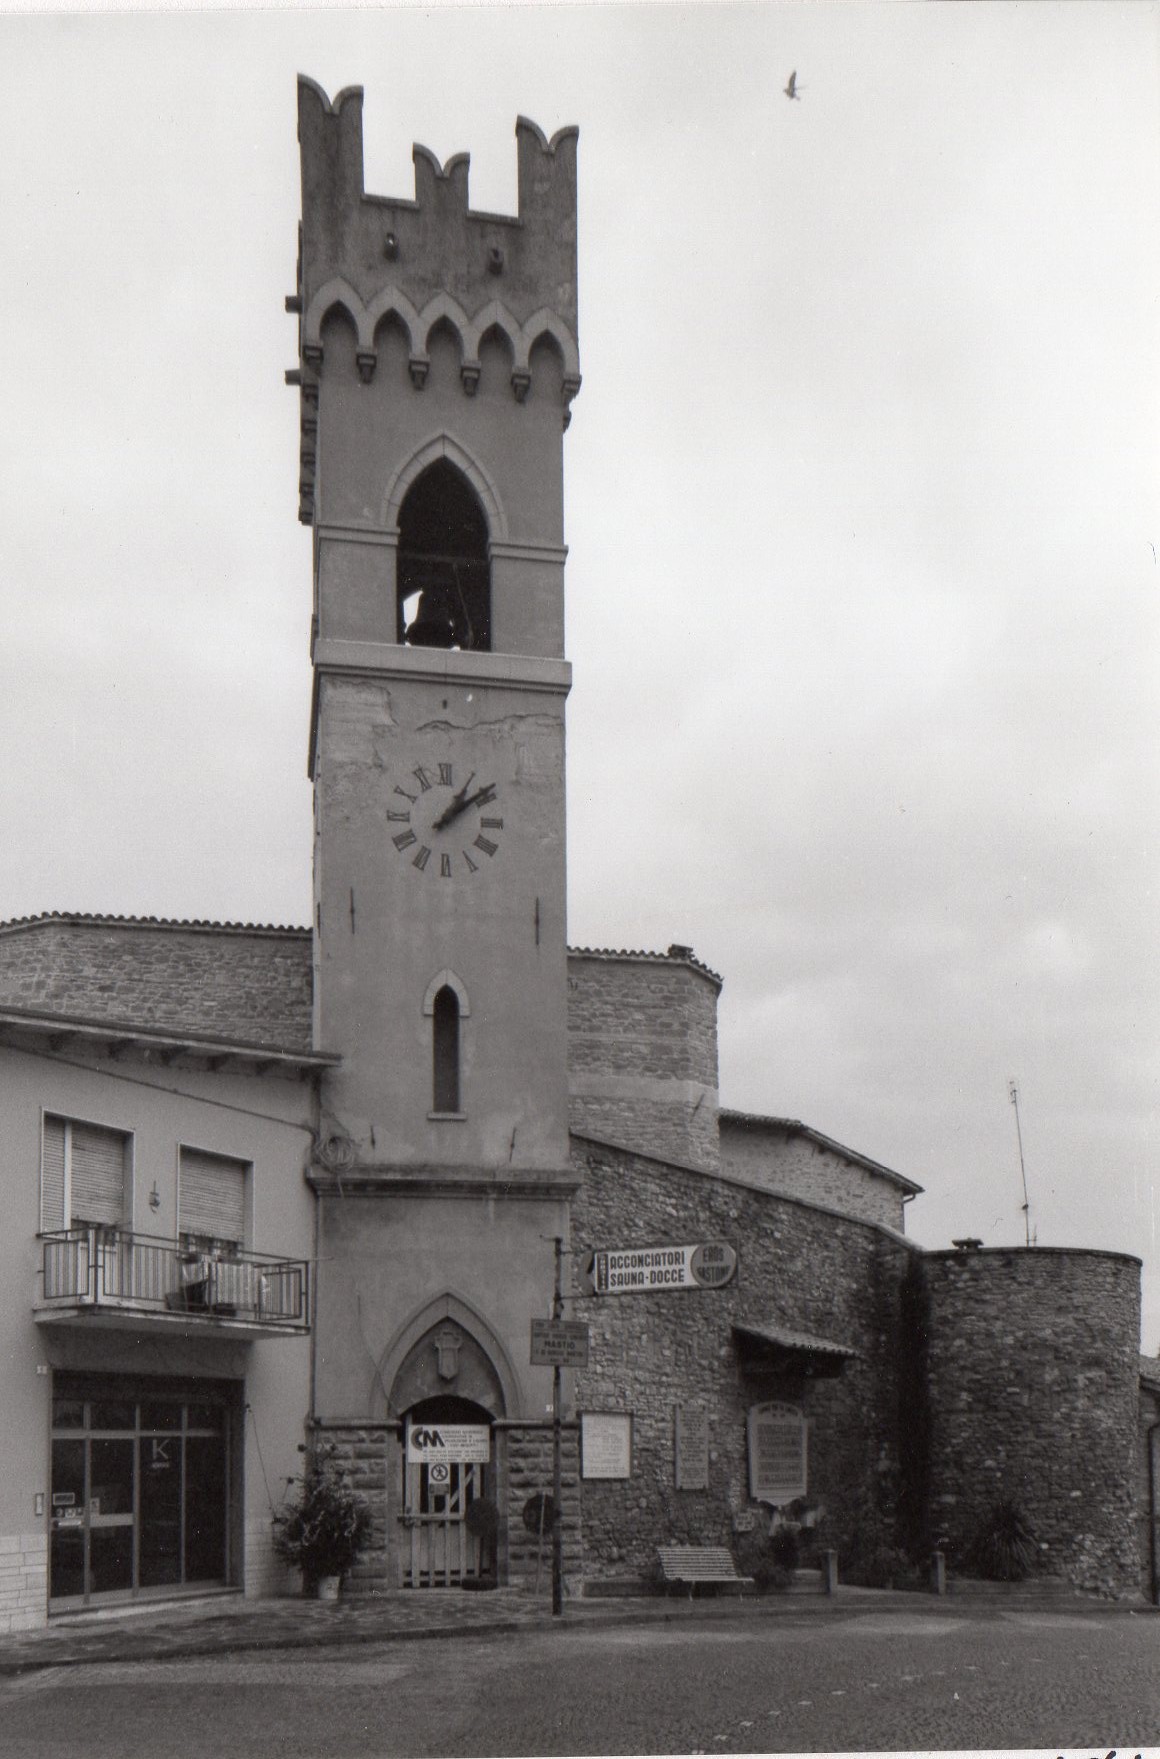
x=800, y=1267
x=1033, y=1370
x=780, y=1155
x=642, y=1052
x=528, y=1472
x=1148, y=1478
x=23, y=1581
x=249, y=984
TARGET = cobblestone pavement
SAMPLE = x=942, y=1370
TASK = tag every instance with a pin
x=230, y=1624
x=887, y=1673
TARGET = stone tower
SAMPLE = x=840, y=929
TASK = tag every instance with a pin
x=437, y=364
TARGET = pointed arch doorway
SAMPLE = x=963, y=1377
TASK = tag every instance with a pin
x=451, y=1384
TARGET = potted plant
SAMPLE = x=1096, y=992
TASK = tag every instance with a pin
x=324, y=1527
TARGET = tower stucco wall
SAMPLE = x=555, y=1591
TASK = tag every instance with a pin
x=1033, y=1386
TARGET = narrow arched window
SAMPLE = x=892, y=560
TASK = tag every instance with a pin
x=445, y=1051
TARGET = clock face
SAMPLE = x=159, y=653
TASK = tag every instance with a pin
x=443, y=823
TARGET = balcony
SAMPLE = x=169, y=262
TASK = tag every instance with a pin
x=107, y=1278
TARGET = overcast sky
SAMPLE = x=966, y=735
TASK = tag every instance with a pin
x=863, y=588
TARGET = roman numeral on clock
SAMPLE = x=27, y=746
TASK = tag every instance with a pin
x=398, y=818
x=404, y=839
x=445, y=775
x=472, y=866
x=422, y=858
x=491, y=824
x=445, y=867
x=421, y=777
x=486, y=844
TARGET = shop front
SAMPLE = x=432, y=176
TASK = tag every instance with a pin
x=144, y=1488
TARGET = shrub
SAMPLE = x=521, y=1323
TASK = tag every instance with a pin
x=1003, y=1547
x=324, y=1527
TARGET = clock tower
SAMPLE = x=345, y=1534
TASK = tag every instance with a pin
x=437, y=363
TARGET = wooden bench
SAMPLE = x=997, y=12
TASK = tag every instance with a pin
x=700, y=1565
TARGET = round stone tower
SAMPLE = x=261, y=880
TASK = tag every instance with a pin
x=1033, y=1369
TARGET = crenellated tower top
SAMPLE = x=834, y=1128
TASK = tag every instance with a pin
x=433, y=258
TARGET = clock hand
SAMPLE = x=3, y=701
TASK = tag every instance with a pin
x=459, y=803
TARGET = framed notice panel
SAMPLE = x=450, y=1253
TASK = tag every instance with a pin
x=777, y=1453
x=691, y=1447
x=605, y=1445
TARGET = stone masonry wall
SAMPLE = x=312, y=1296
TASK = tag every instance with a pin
x=1147, y=1473
x=529, y=1472
x=1033, y=1371
x=23, y=1581
x=782, y=1158
x=802, y=1268
x=253, y=984
x=642, y=1052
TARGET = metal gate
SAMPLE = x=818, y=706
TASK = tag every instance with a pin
x=438, y=1549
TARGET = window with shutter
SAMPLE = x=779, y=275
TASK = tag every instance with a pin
x=83, y=1172
x=97, y=1174
x=211, y=1200
x=52, y=1215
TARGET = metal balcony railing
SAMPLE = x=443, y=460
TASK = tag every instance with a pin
x=113, y=1268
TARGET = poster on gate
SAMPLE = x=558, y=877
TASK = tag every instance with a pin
x=444, y=1443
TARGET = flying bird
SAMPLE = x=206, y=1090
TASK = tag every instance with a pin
x=791, y=90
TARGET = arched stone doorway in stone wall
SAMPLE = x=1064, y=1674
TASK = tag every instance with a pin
x=450, y=1390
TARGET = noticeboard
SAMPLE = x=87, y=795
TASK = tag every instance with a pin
x=691, y=1447
x=441, y=1443
x=777, y=1453
x=605, y=1445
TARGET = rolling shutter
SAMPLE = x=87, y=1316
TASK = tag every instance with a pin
x=212, y=1198
x=52, y=1176
x=97, y=1167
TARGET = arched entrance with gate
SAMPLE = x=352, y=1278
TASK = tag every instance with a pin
x=451, y=1386
x=449, y=1515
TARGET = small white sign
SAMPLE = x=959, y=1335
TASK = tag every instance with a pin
x=428, y=1442
x=605, y=1445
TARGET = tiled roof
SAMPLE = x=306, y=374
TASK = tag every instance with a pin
x=87, y=919
x=236, y=981
x=794, y=1127
x=769, y=1331
x=676, y=955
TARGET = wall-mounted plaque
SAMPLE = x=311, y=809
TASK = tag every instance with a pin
x=777, y=1453
x=605, y=1445
x=691, y=1446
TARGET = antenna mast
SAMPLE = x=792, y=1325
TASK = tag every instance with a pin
x=1013, y=1092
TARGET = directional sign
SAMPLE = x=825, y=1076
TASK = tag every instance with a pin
x=559, y=1343
x=636, y=1270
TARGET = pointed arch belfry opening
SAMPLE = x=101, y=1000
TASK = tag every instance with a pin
x=447, y=515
